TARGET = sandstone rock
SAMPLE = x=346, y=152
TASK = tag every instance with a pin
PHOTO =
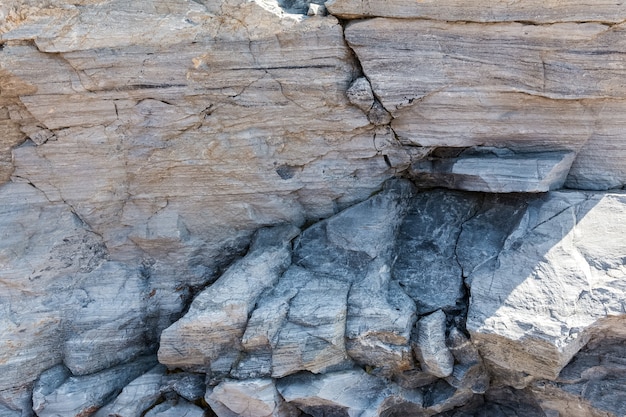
x=216, y=320
x=494, y=11
x=83, y=395
x=251, y=398
x=495, y=172
x=431, y=350
x=557, y=277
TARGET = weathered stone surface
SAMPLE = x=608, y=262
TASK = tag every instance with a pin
x=136, y=397
x=495, y=171
x=381, y=317
x=426, y=243
x=251, y=398
x=432, y=352
x=343, y=245
x=444, y=91
x=360, y=94
x=83, y=395
x=217, y=318
x=558, y=275
x=178, y=408
x=469, y=371
x=494, y=11
x=351, y=392
x=592, y=384
x=500, y=402
x=313, y=335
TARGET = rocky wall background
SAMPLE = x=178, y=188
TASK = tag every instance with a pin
x=283, y=208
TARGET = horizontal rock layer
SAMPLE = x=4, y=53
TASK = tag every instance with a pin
x=143, y=143
x=535, y=11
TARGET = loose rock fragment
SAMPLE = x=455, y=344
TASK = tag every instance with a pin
x=431, y=347
x=250, y=398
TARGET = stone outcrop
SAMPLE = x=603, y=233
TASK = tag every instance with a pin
x=209, y=182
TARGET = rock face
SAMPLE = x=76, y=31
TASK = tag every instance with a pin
x=312, y=208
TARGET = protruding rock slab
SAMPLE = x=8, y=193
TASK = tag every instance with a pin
x=431, y=349
x=351, y=392
x=560, y=273
x=84, y=395
x=495, y=172
x=250, y=398
x=208, y=337
x=536, y=11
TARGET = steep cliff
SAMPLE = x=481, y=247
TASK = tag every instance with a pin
x=284, y=207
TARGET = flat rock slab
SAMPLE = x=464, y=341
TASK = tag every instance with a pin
x=495, y=172
x=536, y=11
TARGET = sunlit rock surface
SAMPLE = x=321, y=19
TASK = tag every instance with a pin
x=148, y=149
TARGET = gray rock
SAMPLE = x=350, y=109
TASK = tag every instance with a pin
x=425, y=246
x=250, y=398
x=179, y=408
x=431, y=349
x=84, y=395
x=138, y=396
x=7, y=412
x=566, y=256
x=496, y=172
x=189, y=386
x=47, y=383
x=592, y=384
x=360, y=94
x=380, y=320
x=108, y=326
x=501, y=402
x=469, y=371
x=343, y=245
x=481, y=11
x=351, y=392
x=208, y=336
x=313, y=335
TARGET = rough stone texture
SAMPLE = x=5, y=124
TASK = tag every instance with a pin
x=176, y=409
x=83, y=395
x=426, y=243
x=535, y=11
x=142, y=144
x=251, y=398
x=495, y=172
x=559, y=272
x=517, y=86
x=431, y=341
x=350, y=393
x=217, y=318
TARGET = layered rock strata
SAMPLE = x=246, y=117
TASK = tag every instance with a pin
x=146, y=146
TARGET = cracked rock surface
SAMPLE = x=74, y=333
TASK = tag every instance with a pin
x=341, y=208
